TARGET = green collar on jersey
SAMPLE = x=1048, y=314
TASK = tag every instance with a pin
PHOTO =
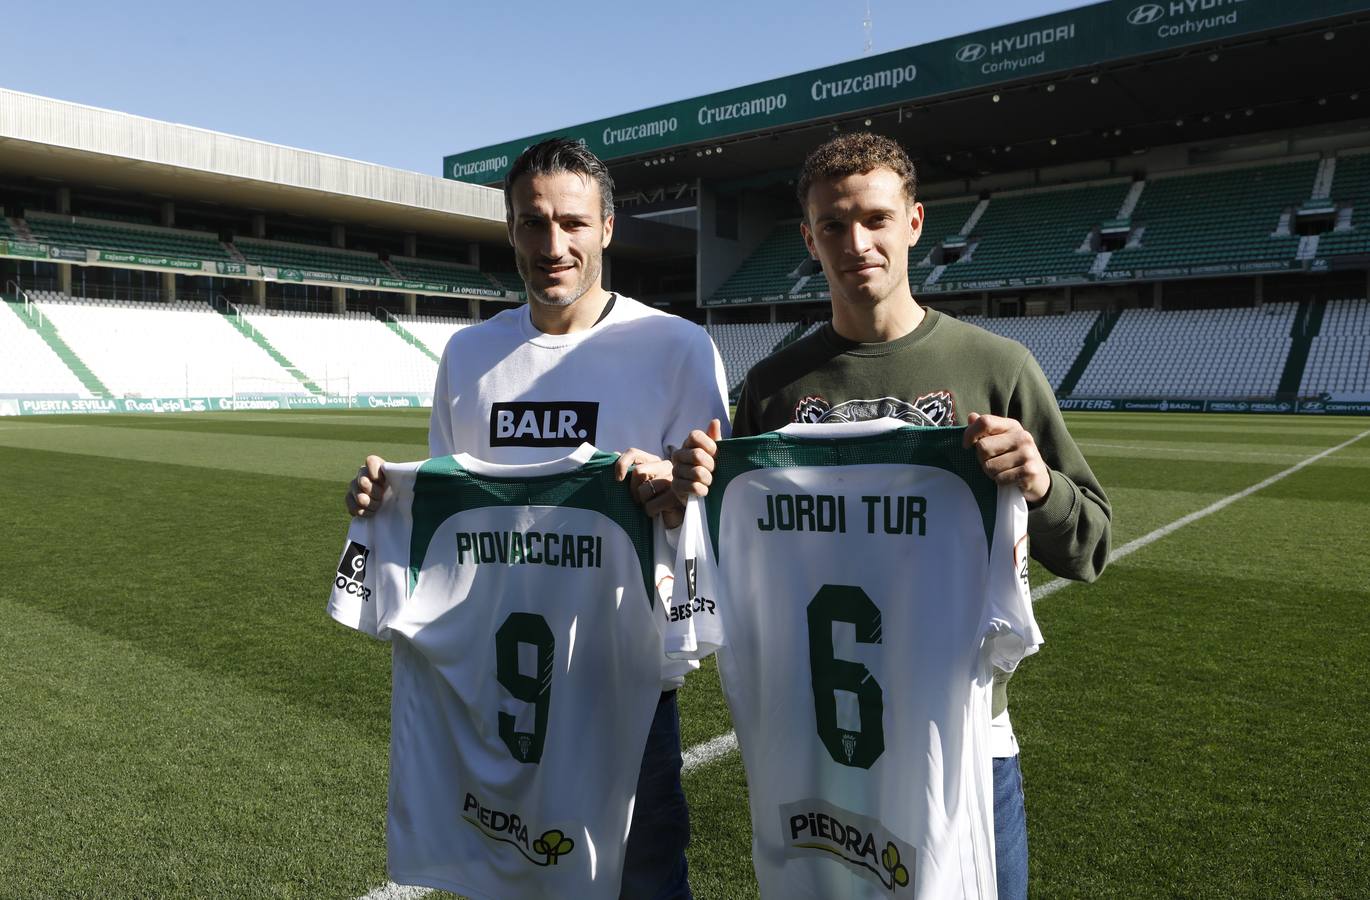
x=443, y=488
x=937, y=447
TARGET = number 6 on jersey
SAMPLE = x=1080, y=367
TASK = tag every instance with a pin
x=849, y=604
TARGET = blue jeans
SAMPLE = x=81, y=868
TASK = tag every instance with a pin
x=1010, y=830
x=654, y=865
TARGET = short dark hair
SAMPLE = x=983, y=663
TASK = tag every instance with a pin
x=561, y=154
x=856, y=153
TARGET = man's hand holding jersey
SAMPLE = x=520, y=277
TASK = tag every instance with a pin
x=1009, y=455
x=692, y=466
x=649, y=481
x=366, y=491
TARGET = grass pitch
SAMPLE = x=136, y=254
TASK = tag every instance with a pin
x=179, y=718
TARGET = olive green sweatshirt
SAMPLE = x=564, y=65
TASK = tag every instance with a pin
x=936, y=375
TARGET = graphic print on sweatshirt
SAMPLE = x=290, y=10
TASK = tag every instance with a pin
x=930, y=410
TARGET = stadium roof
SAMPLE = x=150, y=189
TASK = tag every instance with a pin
x=85, y=145
x=1122, y=75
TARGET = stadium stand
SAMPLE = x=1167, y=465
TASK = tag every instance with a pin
x=744, y=345
x=513, y=282
x=1350, y=187
x=768, y=272
x=313, y=259
x=1223, y=353
x=321, y=346
x=1037, y=234
x=68, y=231
x=157, y=349
x=1226, y=217
x=28, y=365
x=1055, y=341
x=1339, y=357
x=443, y=274
x=940, y=221
x=433, y=331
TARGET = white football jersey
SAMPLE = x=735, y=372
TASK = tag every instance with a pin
x=527, y=647
x=860, y=582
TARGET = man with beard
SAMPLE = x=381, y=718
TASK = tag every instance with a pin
x=885, y=355
x=581, y=364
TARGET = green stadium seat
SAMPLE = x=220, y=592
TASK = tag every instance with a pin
x=66, y=232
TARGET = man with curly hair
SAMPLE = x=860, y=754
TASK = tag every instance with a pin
x=884, y=354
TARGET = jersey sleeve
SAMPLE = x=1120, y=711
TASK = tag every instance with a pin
x=1011, y=631
x=370, y=585
x=694, y=623
x=673, y=669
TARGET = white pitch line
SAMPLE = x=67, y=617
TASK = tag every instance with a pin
x=709, y=751
x=392, y=891
x=1131, y=547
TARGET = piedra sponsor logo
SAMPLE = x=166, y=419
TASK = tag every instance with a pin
x=510, y=828
x=815, y=829
x=1009, y=54
x=1180, y=18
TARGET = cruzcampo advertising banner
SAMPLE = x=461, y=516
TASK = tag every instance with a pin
x=1079, y=38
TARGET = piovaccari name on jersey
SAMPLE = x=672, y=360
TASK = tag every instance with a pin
x=561, y=423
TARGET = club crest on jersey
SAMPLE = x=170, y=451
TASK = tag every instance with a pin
x=510, y=828
x=931, y=409
x=352, y=571
x=818, y=829
x=563, y=423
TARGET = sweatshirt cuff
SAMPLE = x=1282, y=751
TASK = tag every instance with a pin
x=1058, y=510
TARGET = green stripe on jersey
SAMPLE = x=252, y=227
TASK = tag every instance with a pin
x=937, y=447
x=444, y=488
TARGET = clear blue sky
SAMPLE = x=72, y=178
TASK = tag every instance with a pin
x=403, y=83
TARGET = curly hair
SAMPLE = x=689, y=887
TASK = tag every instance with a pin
x=856, y=153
